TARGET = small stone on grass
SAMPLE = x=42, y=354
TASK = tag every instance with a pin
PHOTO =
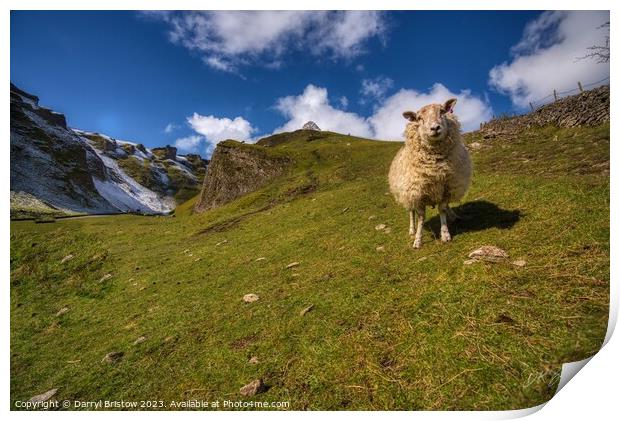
x=519, y=263
x=62, y=311
x=105, y=277
x=66, y=258
x=250, y=298
x=307, y=309
x=380, y=248
x=253, y=388
x=292, y=265
x=253, y=360
x=113, y=357
x=139, y=340
x=488, y=254
x=43, y=397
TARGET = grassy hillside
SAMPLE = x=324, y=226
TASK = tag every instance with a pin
x=392, y=329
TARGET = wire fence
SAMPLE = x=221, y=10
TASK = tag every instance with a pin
x=556, y=95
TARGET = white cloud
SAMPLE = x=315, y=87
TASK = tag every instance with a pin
x=228, y=40
x=190, y=144
x=387, y=122
x=546, y=58
x=313, y=105
x=376, y=88
x=344, y=101
x=170, y=128
x=216, y=129
x=211, y=130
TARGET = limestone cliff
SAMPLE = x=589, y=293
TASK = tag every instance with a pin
x=236, y=169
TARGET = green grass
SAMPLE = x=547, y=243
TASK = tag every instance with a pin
x=400, y=329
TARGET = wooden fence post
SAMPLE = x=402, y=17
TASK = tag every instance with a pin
x=580, y=87
x=555, y=94
x=531, y=106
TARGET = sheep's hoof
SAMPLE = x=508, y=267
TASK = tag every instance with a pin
x=445, y=237
x=417, y=244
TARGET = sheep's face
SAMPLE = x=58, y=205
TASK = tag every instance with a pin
x=431, y=121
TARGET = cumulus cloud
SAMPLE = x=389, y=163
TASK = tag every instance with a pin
x=376, y=88
x=386, y=122
x=313, y=104
x=190, y=144
x=210, y=130
x=228, y=40
x=546, y=57
x=216, y=129
x=344, y=101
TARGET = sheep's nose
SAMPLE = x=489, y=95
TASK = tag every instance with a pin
x=436, y=128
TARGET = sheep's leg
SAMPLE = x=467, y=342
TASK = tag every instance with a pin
x=445, y=233
x=417, y=242
x=411, y=222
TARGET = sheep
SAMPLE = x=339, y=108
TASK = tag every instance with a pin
x=432, y=168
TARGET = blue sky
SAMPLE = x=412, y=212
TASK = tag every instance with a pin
x=208, y=76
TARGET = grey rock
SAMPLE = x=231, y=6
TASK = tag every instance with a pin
x=488, y=254
x=311, y=125
x=139, y=340
x=253, y=388
x=105, y=277
x=113, y=357
x=62, y=311
x=250, y=298
x=43, y=397
x=306, y=310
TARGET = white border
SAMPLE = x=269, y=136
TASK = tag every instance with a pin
x=591, y=394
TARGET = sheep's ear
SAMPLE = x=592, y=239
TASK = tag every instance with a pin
x=409, y=115
x=449, y=105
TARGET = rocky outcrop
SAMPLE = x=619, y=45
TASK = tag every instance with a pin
x=31, y=102
x=311, y=125
x=50, y=162
x=167, y=152
x=59, y=170
x=588, y=108
x=236, y=169
x=195, y=161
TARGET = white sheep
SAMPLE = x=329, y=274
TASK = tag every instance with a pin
x=432, y=168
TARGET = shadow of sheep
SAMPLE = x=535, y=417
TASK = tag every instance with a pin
x=477, y=216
